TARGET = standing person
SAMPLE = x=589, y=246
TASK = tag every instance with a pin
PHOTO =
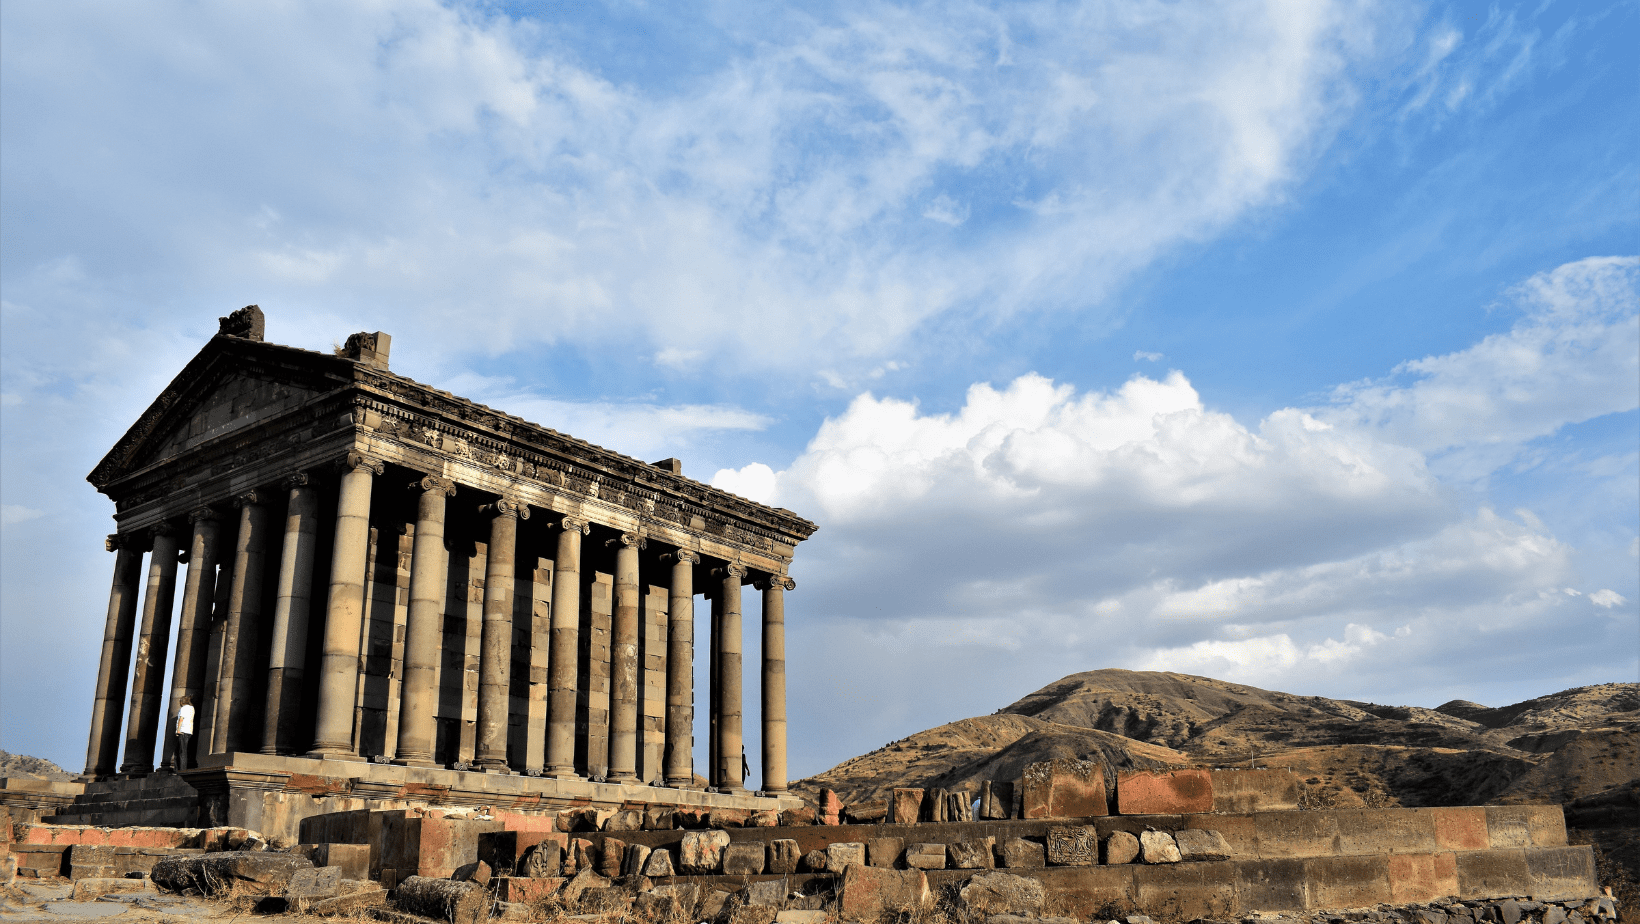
x=185, y=731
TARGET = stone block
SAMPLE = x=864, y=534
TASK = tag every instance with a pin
x=1491, y=873
x=925, y=856
x=727, y=818
x=1460, y=828
x=1196, y=845
x=658, y=864
x=814, y=861
x=1561, y=873
x=906, y=806
x=936, y=807
x=544, y=860
x=1348, y=882
x=350, y=903
x=840, y=856
x=528, y=890
x=996, y=800
x=713, y=905
x=770, y=893
x=1368, y=832
x=1525, y=826
x=625, y=820
x=637, y=856
x=784, y=856
x=794, y=817
x=752, y=914
x=1073, y=846
x=1272, y=885
x=867, y=813
x=744, y=859
x=868, y=892
x=1121, y=847
x=830, y=811
x=89, y=890
x=1063, y=789
x=765, y=819
x=885, y=852
x=1164, y=792
x=1282, y=835
x=86, y=861
x=656, y=818
x=581, y=883
x=307, y=886
x=352, y=859
x=1158, y=847
x=1019, y=853
x=1246, y=791
x=960, y=806
x=798, y=916
x=702, y=851
x=1002, y=893
x=610, y=857
x=973, y=853
x=1174, y=892
x=1422, y=877
x=578, y=819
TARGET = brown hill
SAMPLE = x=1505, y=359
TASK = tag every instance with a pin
x=1559, y=747
x=31, y=768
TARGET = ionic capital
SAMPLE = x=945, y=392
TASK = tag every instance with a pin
x=164, y=529
x=354, y=461
x=775, y=580
x=299, y=480
x=627, y=541
x=732, y=569
x=506, y=508
x=202, y=515
x=434, y=484
x=682, y=556
x=248, y=499
x=576, y=524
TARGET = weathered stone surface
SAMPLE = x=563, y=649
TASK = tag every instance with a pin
x=1121, y=847
x=584, y=881
x=658, y=864
x=925, y=856
x=1164, y=792
x=800, y=916
x=868, y=892
x=1064, y=789
x=794, y=817
x=369, y=895
x=936, y=807
x=906, y=806
x=974, y=853
x=1073, y=846
x=216, y=872
x=727, y=818
x=814, y=861
x=702, y=851
x=1158, y=847
x=526, y=890
x=770, y=893
x=867, y=813
x=307, y=886
x=352, y=859
x=744, y=859
x=636, y=856
x=996, y=800
x=1262, y=790
x=625, y=820
x=765, y=819
x=712, y=906
x=444, y=899
x=784, y=855
x=579, y=819
x=476, y=872
x=1196, y=844
x=543, y=861
x=656, y=818
x=86, y=890
x=667, y=902
x=1019, y=853
x=830, y=811
x=1001, y=893
x=610, y=857
x=884, y=851
x=959, y=805
x=752, y=914
x=840, y=856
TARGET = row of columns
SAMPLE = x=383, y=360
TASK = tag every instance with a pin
x=339, y=666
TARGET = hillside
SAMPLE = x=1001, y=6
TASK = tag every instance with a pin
x=1557, y=748
x=31, y=768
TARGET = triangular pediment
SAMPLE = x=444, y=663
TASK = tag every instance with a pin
x=231, y=386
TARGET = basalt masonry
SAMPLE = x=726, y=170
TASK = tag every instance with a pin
x=374, y=571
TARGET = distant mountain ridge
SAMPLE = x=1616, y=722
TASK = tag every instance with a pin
x=32, y=768
x=1559, y=747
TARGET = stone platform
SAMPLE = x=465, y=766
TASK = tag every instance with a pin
x=273, y=794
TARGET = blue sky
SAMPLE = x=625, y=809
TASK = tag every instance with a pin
x=1289, y=343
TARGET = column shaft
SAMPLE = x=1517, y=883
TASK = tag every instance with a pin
x=193, y=630
x=344, y=610
x=288, y=651
x=424, y=629
x=108, y=708
x=731, y=753
x=148, y=683
x=774, y=680
x=714, y=693
x=495, y=653
x=623, y=713
x=680, y=671
x=561, y=679
x=233, y=690
x=205, y=712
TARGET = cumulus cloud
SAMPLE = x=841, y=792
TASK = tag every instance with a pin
x=1607, y=598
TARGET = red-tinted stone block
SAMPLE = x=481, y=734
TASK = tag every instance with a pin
x=1063, y=789
x=528, y=891
x=514, y=822
x=1424, y=877
x=1167, y=792
x=1460, y=828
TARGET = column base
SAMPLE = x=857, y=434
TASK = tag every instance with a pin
x=336, y=754
x=135, y=773
x=418, y=762
x=492, y=766
x=563, y=775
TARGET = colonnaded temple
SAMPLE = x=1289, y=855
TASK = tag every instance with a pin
x=403, y=585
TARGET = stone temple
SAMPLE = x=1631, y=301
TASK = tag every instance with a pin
x=391, y=586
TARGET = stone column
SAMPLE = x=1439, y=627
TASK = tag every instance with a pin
x=714, y=690
x=774, y=589
x=495, y=654
x=680, y=671
x=424, y=629
x=344, y=611
x=148, y=684
x=287, y=659
x=193, y=629
x=731, y=775
x=233, y=690
x=566, y=622
x=107, y=709
x=623, y=713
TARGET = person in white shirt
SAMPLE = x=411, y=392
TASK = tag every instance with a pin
x=185, y=731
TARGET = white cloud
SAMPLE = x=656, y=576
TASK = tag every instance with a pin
x=1146, y=355
x=754, y=482
x=11, y=514
x=1607, y=598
